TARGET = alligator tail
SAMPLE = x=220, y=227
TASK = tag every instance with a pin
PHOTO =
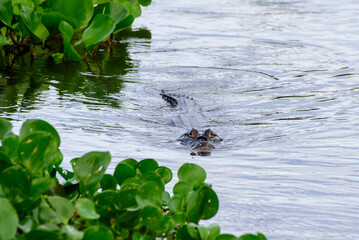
x=168, y=98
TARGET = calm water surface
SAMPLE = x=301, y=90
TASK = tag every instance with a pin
x=278, y=80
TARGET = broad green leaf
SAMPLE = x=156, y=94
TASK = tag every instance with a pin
x=16, y=191
x=202, y=204
x=38, y=2
x=9, y=147
x=26, y=224
x=144, y=3
x=5, y=125
x=66, y=33
x=130, y=161
x=8, y=220
x=41, y=235
x=98, y=232
x=192, y=230
x=32, y=125
x=122, y=172
x=147, y=165
x=115, y=10
x=259, y=236
x=182, y=234
x=151, y=176
x=63, y=208
x=165, y=173
x=90, y=168
x=78, y=13
x=192, y=174
x=127, y=199
x=125, y=23
x=179, y=218
x=151, y=217
x=41, y=185
x=150, y=194
x=32, y=21
x=182, y=188
x=226, y=237
x=108, y=182
x=213, y=231
x=37, y=151
x=100, y=28
x=16, y=5
x=86, y=208
x=176, y=204
x=105, y=203
x=71, y=232
x=96, y=2
x=52, y=20
x=133, y=7
x=4, y=162
x=6, y=12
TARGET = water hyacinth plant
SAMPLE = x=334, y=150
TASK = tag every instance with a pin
x=60, y=25
x=41, y=200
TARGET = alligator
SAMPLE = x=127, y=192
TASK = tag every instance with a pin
x=201, y=142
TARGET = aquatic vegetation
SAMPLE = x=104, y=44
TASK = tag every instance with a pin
x=57, y=26
x=41, y=200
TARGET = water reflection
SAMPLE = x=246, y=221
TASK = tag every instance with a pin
x=98, y=78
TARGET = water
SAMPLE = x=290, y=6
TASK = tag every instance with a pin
x=278, y=80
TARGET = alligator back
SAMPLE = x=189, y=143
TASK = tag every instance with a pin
x=189, y=111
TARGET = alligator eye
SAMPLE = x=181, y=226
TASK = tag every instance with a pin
x=193, y=133
x=209, y=133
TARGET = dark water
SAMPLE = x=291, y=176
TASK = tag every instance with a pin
x=278, y=80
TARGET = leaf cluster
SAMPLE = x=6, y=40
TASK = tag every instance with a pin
x=41, y=200
x=25, y=23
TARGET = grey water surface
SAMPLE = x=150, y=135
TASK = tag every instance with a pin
x=278, y=80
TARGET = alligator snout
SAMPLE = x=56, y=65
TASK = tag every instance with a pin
x=204, y=146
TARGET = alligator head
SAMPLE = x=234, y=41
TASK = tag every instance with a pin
x=201, y=142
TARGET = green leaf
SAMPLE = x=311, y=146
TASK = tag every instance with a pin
x=130, y=161
x=117, y=11
x=144, y=3
x=63, y=208
x=100, y=28
x=123, y=171
x=259, y=236
x=69, y=51
x=90, y=168
x=182, y=234
x=192, y=174
x=8, y=220
x=4, y=162
x=86, y=208
x=16, y=191
x=202, y=204
x=182, y=188
x=150, y=194
x=51, y=20
x=33, y=125
x=192, y=230
x=17, y=4
x=165, y=174
x=32, y=21
x=41, y=185
x=226, y=237
x=71, y=232
x=151, y=217
x=127, y=199
x=9, y=147
x=41, y=235
x=98, y=232
x=108, y=182
x=6, y=12
x=37, y=151
x=147, y=165
x=5, y=125
x=78, y=13
x=125, y=23
x=176, y=204
x=3, y=42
